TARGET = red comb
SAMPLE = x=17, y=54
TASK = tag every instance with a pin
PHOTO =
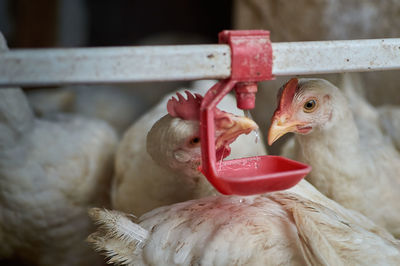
x=188, y=109
x=287, y=93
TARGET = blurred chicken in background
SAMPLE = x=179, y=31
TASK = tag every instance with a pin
x=117, y=105
x=51, y=171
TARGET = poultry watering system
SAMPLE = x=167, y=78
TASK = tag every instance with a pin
x=240, y=60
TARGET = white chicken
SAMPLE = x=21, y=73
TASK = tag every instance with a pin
x=280, y=228
x=353, y=162
x=141, y=184
x=51, y=172
x=294, y=227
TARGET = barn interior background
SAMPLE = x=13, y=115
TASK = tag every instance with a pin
x=86, y=23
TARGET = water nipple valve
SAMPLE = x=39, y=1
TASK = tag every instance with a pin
x=246, y=95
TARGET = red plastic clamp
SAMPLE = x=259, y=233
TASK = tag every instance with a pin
x=251, y=61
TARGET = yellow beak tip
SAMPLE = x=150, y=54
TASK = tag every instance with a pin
x=271, y=140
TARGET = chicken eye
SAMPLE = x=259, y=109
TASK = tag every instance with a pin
x=195, y=141
x=309, y=106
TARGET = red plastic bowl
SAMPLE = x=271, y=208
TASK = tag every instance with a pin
x=244, y=176
x=257, y=175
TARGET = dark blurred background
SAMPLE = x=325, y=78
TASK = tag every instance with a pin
x=49, y=23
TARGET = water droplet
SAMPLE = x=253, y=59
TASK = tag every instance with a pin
x=247, y=114
x=257, y=136
x=241, y=200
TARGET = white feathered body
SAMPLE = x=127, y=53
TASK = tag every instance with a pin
x=51, y=172
x=280, y=228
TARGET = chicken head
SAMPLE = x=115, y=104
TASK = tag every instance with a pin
x=174, y=140
x=304, y=105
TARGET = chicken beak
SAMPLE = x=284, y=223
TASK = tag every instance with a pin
x=279, y=128
x=234, y=128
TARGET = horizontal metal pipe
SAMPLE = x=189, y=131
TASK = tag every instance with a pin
x=306, y=58
x=28, y=67
x=114, y=64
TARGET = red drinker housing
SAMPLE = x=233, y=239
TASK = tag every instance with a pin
x=251, y=61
